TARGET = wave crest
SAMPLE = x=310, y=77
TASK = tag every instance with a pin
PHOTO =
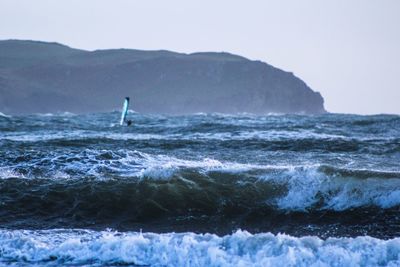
x=78, y=247
x=293, y=188
x=330, y=188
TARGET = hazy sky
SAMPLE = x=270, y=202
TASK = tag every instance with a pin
x=348, y=50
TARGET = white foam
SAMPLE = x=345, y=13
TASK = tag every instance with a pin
x=163, y=167
x=307, y=186
x=271, y=135
x=7, y=173
x=67, y=114
x=64, y=114
x=79, y=247
x=4, y=115
x=45, y=114
x=81, y=135
x=32, y=137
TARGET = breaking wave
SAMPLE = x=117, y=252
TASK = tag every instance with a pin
x=132, y=190
x=327, y=187
x=83, y=247
x=4, y=115
x=300, y=187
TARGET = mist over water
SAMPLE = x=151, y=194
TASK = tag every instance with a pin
x=75, y=186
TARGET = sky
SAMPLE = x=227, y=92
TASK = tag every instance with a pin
x=348, y=50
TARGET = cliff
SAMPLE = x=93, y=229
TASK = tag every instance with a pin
x=39, y=77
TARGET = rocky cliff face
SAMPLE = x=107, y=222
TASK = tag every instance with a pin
x=38, y=77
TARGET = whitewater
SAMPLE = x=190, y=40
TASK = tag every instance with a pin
x=200, y=189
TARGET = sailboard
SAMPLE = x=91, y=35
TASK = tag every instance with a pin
x=124, y=111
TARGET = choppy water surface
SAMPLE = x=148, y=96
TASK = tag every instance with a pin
x=204, y=189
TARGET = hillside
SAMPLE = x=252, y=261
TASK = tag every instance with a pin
x=39, y=77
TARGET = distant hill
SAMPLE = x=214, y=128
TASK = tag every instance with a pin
x=40, y=77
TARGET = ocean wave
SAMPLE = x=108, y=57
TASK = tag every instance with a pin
x=103, y=164
x=83, y=247
x=60, y=114
x=273, y=140
x=297, y=188
x=81, y=135
x=339, y=189
x=133, y=190
x=5, y=115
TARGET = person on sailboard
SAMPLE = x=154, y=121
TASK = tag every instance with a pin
x=125, y=113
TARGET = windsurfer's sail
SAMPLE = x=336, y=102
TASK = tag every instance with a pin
x=124, y=110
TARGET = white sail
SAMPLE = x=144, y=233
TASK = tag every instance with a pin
x=124, y=111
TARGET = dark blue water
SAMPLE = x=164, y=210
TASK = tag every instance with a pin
x=81, y=190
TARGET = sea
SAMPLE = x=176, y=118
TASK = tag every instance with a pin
x=199, y=190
